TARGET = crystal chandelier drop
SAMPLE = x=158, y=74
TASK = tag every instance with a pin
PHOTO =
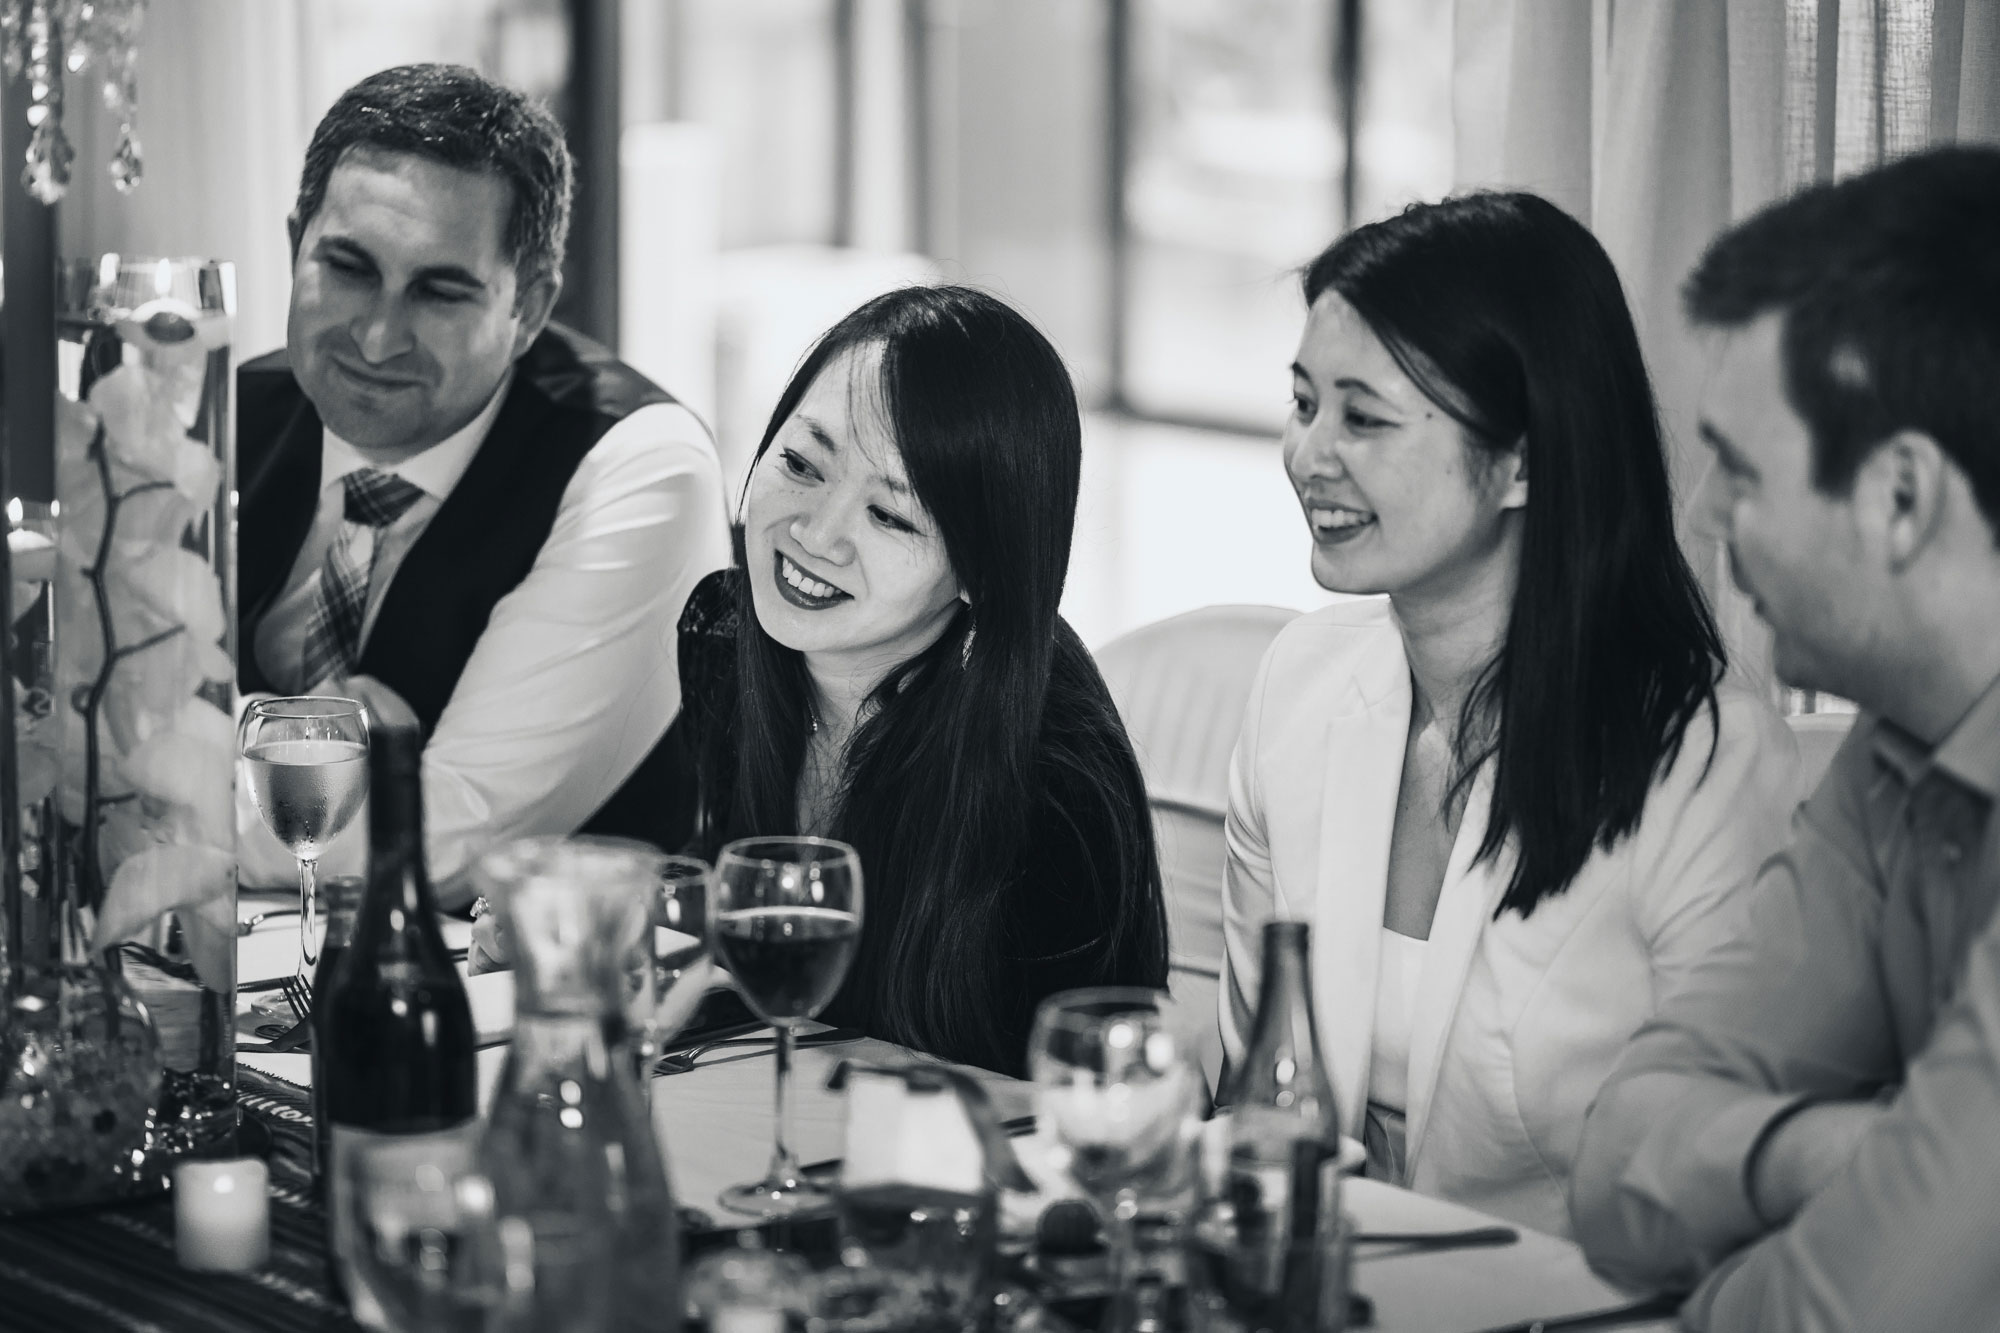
x=46, y=40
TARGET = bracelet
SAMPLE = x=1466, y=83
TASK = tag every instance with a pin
x=1754, y=1157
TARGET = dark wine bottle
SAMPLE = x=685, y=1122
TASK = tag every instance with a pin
x=342, y=897
x=398, y=1052
x=1284, y=1132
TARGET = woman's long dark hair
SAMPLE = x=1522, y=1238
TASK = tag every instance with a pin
x=941, y=778
x=1508, y=315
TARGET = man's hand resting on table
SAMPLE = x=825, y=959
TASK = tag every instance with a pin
x=386, y=708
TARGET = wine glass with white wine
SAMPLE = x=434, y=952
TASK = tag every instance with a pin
x=1120, y=1095
x=307, y=760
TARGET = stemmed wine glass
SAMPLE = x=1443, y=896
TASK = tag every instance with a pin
x=677, y=947
x=423, y=1246
x=785, y=919
x=307, y=757
x=1120, y=1095
x=680, y=921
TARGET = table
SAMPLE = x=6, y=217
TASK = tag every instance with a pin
x=716, y=1125
x=113, y=1269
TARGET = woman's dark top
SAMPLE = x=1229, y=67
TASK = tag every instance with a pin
x=1063, y=891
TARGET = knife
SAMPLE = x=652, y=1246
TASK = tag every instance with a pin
x=1653, y=1307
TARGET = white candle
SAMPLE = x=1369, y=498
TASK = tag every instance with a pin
x=222, y=1215
x=745, y=1319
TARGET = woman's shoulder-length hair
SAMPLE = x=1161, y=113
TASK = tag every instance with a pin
x=1508, y=314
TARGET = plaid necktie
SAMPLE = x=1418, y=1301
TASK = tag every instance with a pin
x=333, y=631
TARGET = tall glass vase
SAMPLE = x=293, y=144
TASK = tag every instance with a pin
x=79, y=1058
x=127, y=785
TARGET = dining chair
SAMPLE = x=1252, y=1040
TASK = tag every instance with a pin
x=1181, y=685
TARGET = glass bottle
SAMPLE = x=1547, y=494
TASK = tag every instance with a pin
x=342, y=896
x=569, y=1144
x=398, y=1054
x=1279, y=1190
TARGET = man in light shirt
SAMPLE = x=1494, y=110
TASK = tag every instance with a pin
x=1808, y=1133
x=449, y=499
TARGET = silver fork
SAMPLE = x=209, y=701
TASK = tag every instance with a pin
x=245, y=927
x=299, y=992
x=682, y=1062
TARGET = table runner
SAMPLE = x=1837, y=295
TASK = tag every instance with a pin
x=113, y=1268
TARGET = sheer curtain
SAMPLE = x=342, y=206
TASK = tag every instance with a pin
x=223, y=122
x=229, y=93
x=1658, y=124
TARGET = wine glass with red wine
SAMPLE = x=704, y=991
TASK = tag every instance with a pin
x=785, y=919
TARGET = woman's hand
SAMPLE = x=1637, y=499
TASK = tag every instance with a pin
x=699, y=980
x=493, y=951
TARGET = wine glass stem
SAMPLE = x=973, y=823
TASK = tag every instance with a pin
x=1121, y=1313
x=308, y=911
x=784, y=1173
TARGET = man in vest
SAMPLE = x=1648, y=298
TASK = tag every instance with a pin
x=447, y=499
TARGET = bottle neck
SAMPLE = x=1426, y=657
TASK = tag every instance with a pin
x=561, y=1036
x=584, y=1047
x=396, y=875
x=1284, y=1021
x=1282, y=1073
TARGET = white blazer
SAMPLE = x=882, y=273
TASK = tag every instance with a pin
x=1516, y=1021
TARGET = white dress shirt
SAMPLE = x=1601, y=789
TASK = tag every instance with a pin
x=575, y=677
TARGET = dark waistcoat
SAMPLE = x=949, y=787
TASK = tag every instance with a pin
x=566, y=393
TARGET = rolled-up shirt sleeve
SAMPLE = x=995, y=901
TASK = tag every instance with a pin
x=574, y=679
x=1788, y=1006
x=1908, y=1237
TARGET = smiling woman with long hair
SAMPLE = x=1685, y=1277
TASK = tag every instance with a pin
x=1513, y=790
x=887, y=668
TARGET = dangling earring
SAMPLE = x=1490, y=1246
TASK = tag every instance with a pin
x=965, y=649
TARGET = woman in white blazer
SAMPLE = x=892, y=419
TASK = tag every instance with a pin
x=1510, y=788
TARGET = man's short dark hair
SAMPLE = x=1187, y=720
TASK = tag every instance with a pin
x=1889, y=283
x=460, y=118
